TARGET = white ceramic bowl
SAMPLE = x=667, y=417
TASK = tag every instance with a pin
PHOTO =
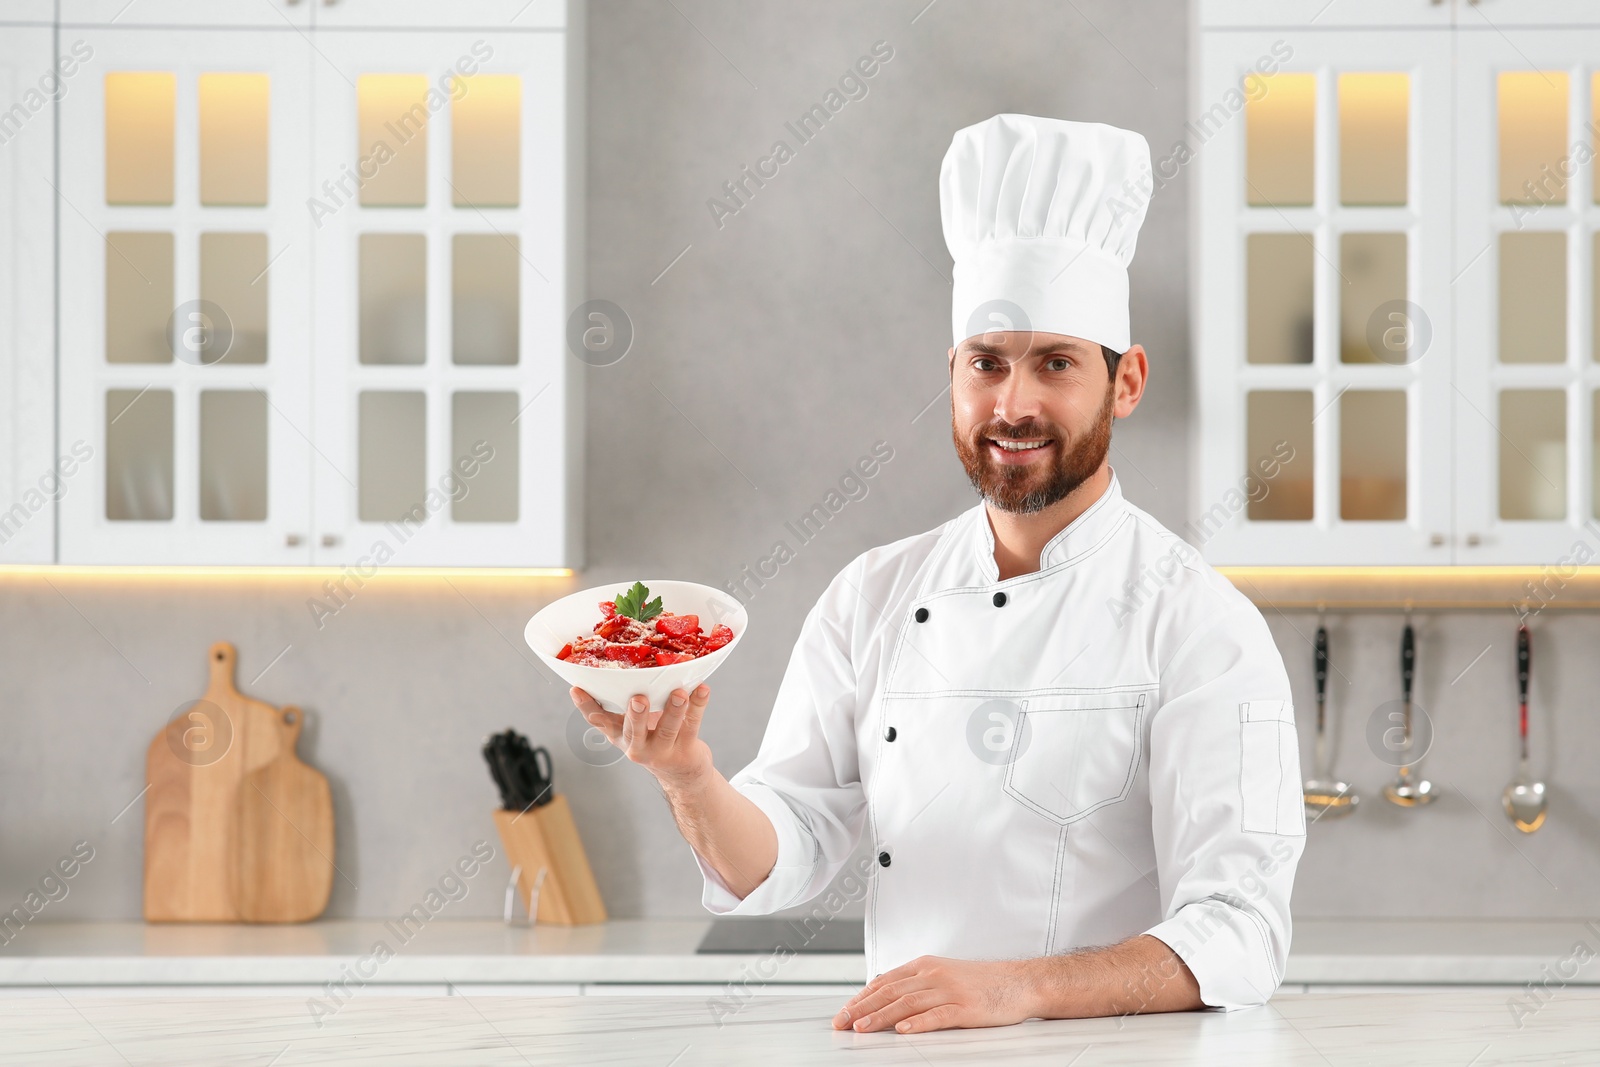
x=561, y=621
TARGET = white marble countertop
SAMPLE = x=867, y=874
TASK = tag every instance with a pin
x=656, y=951
x=1451, y=1028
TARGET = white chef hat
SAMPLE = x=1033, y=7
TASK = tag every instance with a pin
x=1041, y=216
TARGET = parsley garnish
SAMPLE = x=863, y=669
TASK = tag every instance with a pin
x=634, y=606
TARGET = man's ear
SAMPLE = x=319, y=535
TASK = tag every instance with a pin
x=1133, y=370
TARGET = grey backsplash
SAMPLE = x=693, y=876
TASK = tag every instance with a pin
x=811, y=324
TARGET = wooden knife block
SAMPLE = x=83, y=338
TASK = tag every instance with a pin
x=546, y=837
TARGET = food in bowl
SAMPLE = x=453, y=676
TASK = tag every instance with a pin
x=635, y=631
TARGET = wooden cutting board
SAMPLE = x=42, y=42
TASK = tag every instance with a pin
x=283, y=858
x=193, y=770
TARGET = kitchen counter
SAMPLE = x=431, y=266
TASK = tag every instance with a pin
x=465, y=953
x=1452, y=1028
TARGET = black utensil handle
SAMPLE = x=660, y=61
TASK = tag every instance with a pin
x=1524, y=658
x=544, y=776
x=1322, y=664
x=1408, y=659
x=491, y=756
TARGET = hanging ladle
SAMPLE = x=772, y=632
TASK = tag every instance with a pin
x=1524, y=798
x=1405, y=790
x=1325, y=795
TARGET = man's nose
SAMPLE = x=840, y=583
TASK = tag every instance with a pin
x=1019, y=397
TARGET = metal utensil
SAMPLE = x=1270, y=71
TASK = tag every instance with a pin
x=1524, y=798
x=1324, y=794
x=1405, y=790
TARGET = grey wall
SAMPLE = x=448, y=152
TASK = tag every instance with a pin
x=770, y=356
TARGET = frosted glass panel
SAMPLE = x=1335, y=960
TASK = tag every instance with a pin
x=1533, y=136
x=1279, y=431
x=1533, y=454
x=139, y=455
x=393, y=456
x=486, y=140
x=484, y=316
x=393, y=138
x=394, y=297
x=1372, y=454
x=138, y=297
x=483, y=440
x=140, y=106
x=1373, y=269
x=1533, y=297
x=1279, y=140
x=233, y=276
x=1374, y=116
x=233, y=138
x=1278, y=298
x=233, y=455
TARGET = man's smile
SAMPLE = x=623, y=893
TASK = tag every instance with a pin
x=1015, y=451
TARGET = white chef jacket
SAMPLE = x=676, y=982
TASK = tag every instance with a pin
x=1101, y=748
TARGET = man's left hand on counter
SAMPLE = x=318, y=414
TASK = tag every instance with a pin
x=932, y=993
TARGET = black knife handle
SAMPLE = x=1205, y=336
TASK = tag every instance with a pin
x=545, y=776
x=1408, y=659
x=1524, y=658
x=1322, y=664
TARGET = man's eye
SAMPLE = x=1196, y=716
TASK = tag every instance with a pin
x=984, y=363
x=1059, y=364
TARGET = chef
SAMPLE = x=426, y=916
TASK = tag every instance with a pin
x=1064, y=741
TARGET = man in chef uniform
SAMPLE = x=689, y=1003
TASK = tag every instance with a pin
x=1068, y=741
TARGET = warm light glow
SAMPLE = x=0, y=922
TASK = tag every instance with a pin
x=486, y=140
x=1533, y=136
x=392, y=145
x=233, y=138
x=140, y=109
x=1374, y=120
x=1280, y=140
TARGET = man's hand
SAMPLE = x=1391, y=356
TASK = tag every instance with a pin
x=933, y=993
x=672, y=750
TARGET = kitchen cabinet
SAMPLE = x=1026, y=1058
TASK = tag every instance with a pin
x=1394, y=295
x=31, y=479
x=315, y=289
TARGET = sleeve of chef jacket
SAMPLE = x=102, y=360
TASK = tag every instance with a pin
x=806, y=776
x=1228, y=814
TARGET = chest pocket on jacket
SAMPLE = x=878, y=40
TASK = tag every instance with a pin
x=1078, y=752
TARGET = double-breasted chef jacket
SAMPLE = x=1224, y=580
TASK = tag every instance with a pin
x=1063, y=759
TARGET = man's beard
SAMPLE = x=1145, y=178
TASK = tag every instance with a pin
x=1026, y=488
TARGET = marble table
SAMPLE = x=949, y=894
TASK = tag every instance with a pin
x=1476, y=1027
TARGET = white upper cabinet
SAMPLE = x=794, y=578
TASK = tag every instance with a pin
x=32, y=478
x=1528, y=222
x=440, y=233
x=186, y=268
x=1321, y=315
x=315, y=287
x=1397, y=288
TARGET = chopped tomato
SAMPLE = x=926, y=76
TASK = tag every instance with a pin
x=566, y=651
x=635, y=654
x=608, y=608
x=720, y=635
x=678, y=625
x=664, y=658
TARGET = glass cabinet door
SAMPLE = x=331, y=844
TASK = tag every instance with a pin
x=1323, y=369
x=184, y=326
x=440, y=222
x=1528, y=208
